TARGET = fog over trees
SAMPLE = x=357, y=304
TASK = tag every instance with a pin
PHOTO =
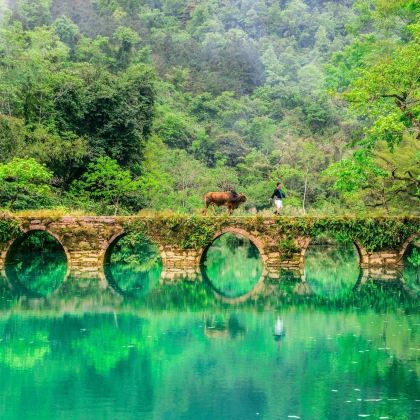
x=180, y=97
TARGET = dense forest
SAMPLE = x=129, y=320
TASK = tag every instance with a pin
x=113, y=106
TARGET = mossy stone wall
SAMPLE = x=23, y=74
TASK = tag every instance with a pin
x=282, y=241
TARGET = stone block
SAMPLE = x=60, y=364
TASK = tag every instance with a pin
x=89, y=260
x=108, y=221
x=388, y=276
x=388, y=255
x=87, y=269
x=377, y=272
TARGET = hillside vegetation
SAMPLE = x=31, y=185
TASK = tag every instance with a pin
x=113, y=106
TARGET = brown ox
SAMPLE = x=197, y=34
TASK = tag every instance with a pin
x=230, y=199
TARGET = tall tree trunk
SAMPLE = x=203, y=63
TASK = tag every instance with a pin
x=384, y=202
x=304, y=194
x=116, y=205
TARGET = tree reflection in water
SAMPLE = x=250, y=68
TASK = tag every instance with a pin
x=129, y=362
x=37, y=264
x=331, y=267
x=232, y=265
x=411, y=273
x=133, y=265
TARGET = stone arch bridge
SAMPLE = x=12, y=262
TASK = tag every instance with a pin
x=183, y=240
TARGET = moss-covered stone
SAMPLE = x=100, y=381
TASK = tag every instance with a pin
x=9, y=228
x=282, y=241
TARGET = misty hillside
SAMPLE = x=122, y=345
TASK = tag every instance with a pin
x=188, y=96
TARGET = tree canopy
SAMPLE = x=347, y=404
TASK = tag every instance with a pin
x=188, y=96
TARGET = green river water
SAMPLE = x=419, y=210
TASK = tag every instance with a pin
x=148, y=348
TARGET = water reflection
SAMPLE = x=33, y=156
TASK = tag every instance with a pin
x=128, y=363
x=233, y=269
x=233, y=265
x=279, y=328
x=411, y=273
x=331, y=267
x=217, y=326
x=374, y=295
x=133, y=265
x=36, y=264
x=81, y=354
x=20, y=354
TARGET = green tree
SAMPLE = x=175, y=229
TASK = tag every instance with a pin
x=65, y=154
x=33, y=12
x=359, y=173
x=24, y=183
x=388, y=93
x=119, y=113
x=12, y=137
x=126, y=40
x=106, y=182
x=67, y=31
x=238, y=91
x=380, y=82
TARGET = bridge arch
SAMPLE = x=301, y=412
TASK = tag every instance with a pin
x=257, y=287
x=332, y=269
x=255, y=291
x=24, y=234
x=361, y=251
x=404, y=246
x=107, y=248
x=240, y=232
x=105, y=274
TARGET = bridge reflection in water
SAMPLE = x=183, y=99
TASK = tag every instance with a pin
x=232, y=272
x=224, y=328
x=133, y=265
x=371, y=294
x=232, y=265
x=125, y=357
x=36, y=264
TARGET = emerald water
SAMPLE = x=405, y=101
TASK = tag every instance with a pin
x=346, y=347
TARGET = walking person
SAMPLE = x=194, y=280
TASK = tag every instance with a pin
x=278, y=196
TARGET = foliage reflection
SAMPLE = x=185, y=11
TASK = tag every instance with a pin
x=36, y=265
x=133, y=265
x=411, y=272
x=331, y=268
x=233, y=265
x=110, y=356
